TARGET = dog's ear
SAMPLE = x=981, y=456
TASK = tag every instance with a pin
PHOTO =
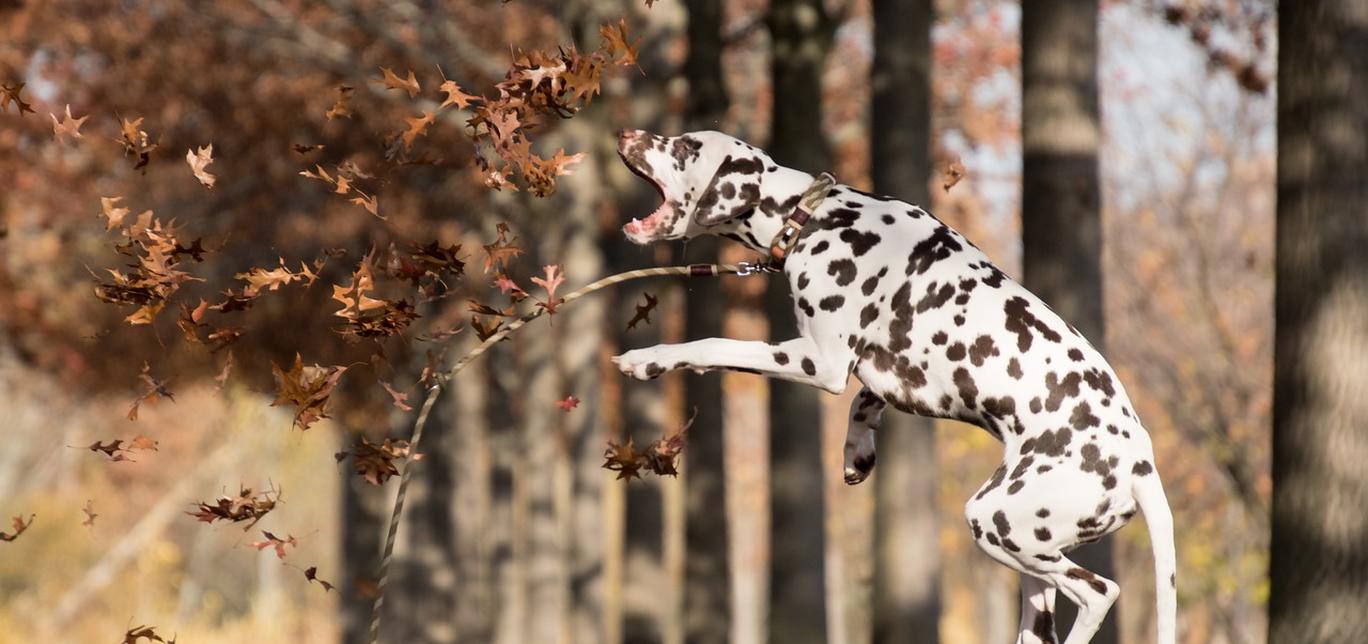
x=733, y=191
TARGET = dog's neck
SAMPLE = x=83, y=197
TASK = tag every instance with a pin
x=780, y=191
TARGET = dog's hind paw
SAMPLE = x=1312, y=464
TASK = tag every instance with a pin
x=857, y=472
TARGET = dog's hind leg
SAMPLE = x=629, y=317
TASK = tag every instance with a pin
x=866, y=415
x=1037, y=611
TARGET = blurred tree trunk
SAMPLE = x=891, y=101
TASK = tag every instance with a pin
x=1319, y=564
x=906, y=544
x=364, y=512
x=581, y=329
x=424, y=586
x=800, y=37
x=1061, y=219
x=707, y=570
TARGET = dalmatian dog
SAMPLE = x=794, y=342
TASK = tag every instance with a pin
x=929, y=325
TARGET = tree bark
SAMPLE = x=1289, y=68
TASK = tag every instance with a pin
x=707, y=570
x=1319, y=566
x=800, y=37
x=906, y=544
x=1061, y=220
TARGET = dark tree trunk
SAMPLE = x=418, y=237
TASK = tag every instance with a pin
x=707, y=573
x=800, y=36
x=1319, y=566
x=364, y=511
x=906, y=553
x=1061, y=219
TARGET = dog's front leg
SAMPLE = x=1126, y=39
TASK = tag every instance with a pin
x=798, y=360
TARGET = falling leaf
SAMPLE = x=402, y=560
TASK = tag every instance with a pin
x=312, y=575
x=10, y=92
x=369, y=202
x=375, y=462
x=570, y=402
x=154, y=391
x=455, y=96
x=18, y=525
x=417, y=126
x=342, y=107
x=502, y=251
x=273, y=541
x=392, y=81
x=643, y=311
x=198, y=160
x=248, y=505
x=113, y=213
x=622, y=459
x=137, y=633
x=554, y=278
x=954, y=172
x=136, y=142
x=300, y=148
x=89, y=511
x=400, y=398
x=307, y=388
x=615, y=40
x=68, y=126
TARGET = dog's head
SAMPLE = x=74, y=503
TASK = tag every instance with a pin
x=705, y=179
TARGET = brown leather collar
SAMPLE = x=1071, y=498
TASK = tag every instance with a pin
x=788, y=234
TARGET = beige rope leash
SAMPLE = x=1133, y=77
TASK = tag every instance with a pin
x=691, y=270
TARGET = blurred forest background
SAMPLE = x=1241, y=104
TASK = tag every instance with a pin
x=1122, y=155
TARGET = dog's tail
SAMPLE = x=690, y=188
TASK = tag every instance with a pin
x=1149, y=494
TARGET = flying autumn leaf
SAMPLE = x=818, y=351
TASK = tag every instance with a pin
x=392, y=81
x=342, y=107
x=89, y=511
x=417, y=126
x=9, y=92
x=954, y=172
x=568, y=403
x=622, y=459
x=199, y=159
x=273, y=541
x=312, y=575
x=615, y=39
x=248, y=505
x=113, y=214
x=502, y=251
x=307, y=388
x=18, y=526
x=643, y=311
x=554, y=278
x=400, y=398
x=136, y=143
x=374, y=462
x=136, y=634
x=68, y=126
x=222, y=377
x=153, y=391
x=455, y=96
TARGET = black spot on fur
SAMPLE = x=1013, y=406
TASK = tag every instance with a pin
x=803, y=281
x=820, y=247
x=955, y=352
x=843, y=269
x=1014, y=369
x=1142, y=468
x=831, y=302
x=968, y=391
x=1042, y=534
x=998, y=474
x=1059, y=389
x=808, y=367
x=860, y=242
x=1021, y=321
x=939, y=338
x=868, y=314
x=981, y=350
x=936, y=247
x=780, y=357
x=1082, y=417
x=1097, y=584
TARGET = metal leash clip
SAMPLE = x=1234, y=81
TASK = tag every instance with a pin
x=749, y=268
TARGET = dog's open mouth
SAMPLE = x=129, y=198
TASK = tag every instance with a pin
x=647, y=229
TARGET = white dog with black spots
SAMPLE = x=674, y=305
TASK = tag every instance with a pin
x=928, y=324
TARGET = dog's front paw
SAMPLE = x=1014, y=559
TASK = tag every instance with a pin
x=642, y=364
